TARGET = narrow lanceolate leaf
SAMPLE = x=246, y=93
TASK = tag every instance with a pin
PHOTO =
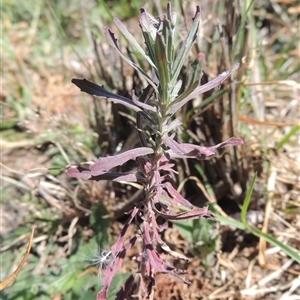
x=171, y=126
x=113, y=268
x=162, y=66
x=201, y=89
x=185, y=150
x=113, y=41
x=146, y=96
x=109, y=162
x=118, y=250
x=176, y=196
x=185, y=48
x=149, y=24
x=132, y=41
x=149, y=27
x=155, y=260
x=141, y=104
x=167, y=33
x=233, y=141
x=86, y=174
x=103, y=165
x=97, y=90
x=175, y=90
x=195, y=74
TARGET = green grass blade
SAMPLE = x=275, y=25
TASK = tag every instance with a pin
x=243, y=225
x=246, y=203
x=287, y=137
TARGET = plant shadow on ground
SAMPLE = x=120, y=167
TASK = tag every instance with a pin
x=47, y=124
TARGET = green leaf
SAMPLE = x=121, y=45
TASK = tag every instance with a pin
x=185, y=48
x=195, y=74
x=116, y=285
x=82, y=284
x=65, y=281
x=132, y=41
x=175, y=90
x=185, y=228
x=167, y=33
x=149, y=26
x=100, y=221
x=8, y=123
x=240, y=35
x=208, y=100
x=150, y=45
x=162, y=66
x=113, y=42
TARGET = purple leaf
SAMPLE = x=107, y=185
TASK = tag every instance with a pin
x=175, y=254
x=107, y=163
x=185, y=150
x=141, y=104
x=79, y=173
x=99, y=170
x=176, y=196
x=118, y=251
x=233, y=141
x=85, y=174
x=200, y=90
x=97, y=90
x=155, y=227
x=155, y=260
x=117, y=246
x=113, y=268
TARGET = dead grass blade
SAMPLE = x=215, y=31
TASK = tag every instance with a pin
x=14, y=275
